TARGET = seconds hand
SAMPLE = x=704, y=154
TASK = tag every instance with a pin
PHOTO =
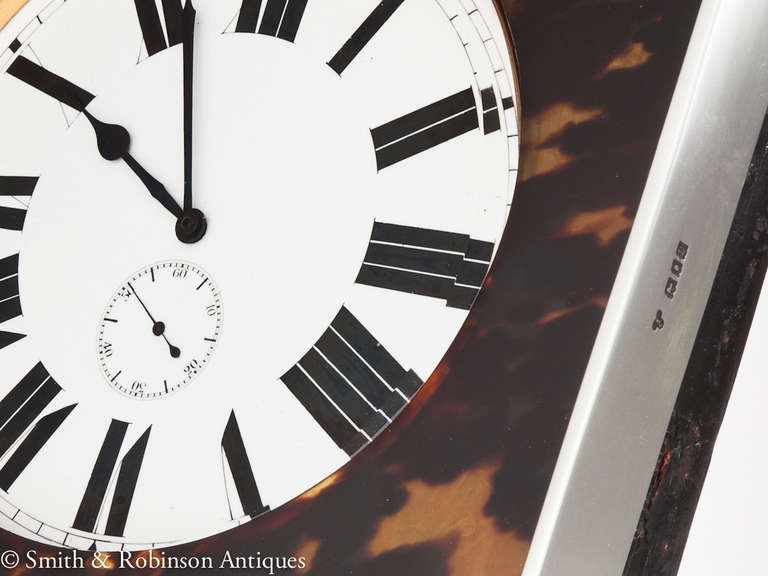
x=158, y=328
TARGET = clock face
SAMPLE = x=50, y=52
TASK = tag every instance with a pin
x=235, y=240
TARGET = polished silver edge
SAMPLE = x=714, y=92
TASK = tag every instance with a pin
x=629, y=388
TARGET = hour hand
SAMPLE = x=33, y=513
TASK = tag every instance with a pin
x=113, y=142
x=156, y=189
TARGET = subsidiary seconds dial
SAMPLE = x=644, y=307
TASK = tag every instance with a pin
x=159, y=330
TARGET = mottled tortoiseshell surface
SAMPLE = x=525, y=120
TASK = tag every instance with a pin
x=456, y=485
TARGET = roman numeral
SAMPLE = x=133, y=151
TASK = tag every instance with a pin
x=101, y=475
x=8, y=338
x=349, y=383
x=248, y=19
x=363, y=35
x=127, y=479
x=103, y=469
x=425, y=128
x=17, y=185
x=31, y=446
x=491, y=112
x=152, y=27
x=13, y=218
x=491, y=120
x=18, y=409
x=49, y=83
x=233, y=448
x=10, y=304
x=25, y=402
x=281, y=18
x=426, y=262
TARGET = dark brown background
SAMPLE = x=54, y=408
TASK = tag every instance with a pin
x=455, y=486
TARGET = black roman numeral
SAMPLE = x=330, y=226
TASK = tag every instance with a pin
x=20, y=407
x=10, y=304
x=425, y=128
x=127, y=479
x=349, y=383
x=101, y=475
x=17, y=185
x=491, y=112
x=233, y=447
x=491, y=120
x=152, y=28
x=103, y=469
x=427, y=262
x=364, y=35
x=31, y=445
x=281, y=18
x=49, y=83
x=8, y=338
x=248, y=19
x=25, y=402
x=13, y=218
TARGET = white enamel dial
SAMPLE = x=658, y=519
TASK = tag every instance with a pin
x=323, y=186
x=159, y=330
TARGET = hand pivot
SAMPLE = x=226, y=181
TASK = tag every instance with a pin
x=191, y=226
x=158, y=328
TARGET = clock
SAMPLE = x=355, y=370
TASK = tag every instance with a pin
x=236, y=237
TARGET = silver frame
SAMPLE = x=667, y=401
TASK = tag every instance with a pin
x=630, y=386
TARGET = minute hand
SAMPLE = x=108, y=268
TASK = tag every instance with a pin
x=188, y=38
x=191, y=227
